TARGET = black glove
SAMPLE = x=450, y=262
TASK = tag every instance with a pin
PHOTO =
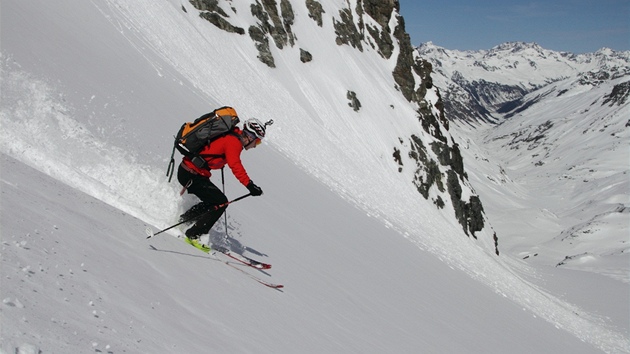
x=254, y=189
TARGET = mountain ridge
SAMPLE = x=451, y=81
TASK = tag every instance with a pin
x=552, y=130
x=491, y=81
x=427, y=158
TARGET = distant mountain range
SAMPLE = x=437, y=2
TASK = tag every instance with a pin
x=545, y=139
x=487, y=85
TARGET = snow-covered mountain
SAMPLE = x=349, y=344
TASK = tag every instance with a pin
x=368, y=215
x=487, y=85
x=559, y=155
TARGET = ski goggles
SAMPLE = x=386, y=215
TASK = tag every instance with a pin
x=255, y=141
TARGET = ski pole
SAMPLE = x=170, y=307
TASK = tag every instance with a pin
x=227, y=237
x=216, y=207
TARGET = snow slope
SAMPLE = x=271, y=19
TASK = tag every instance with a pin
x=363, y=272
x=78, y=276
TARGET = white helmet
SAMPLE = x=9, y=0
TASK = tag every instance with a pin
x=256, y=127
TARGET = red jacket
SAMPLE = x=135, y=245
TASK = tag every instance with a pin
x=228, y=151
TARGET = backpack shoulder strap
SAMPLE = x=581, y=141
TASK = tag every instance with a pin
x=231, y=132
x=171, y=166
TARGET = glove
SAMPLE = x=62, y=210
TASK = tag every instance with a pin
x=254, y=189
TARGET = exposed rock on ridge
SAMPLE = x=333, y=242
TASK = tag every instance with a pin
x=436, y=161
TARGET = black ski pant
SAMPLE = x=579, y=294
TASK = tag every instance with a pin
x=210, y=196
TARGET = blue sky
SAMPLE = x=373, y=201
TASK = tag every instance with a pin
x=578, y=26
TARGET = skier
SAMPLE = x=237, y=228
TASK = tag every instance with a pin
x=224, y=150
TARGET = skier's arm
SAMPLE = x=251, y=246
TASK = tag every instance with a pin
x=233, y=151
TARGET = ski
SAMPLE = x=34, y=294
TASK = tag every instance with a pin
x=235, y=256
x=246, y=261
x=253, y=277
x=263, y=282
x=243, y=259
x=207, y=248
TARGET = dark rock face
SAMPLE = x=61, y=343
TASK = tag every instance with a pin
x=427, y=172
x=315, y=11
x=469, y=213
x=214, y=14
x=347, y=32
x=618, y=95
x=272, y=23
x=354, y=101
x=381, y=12
x=262, y=44
x=305, y=56
x=277, y=25
x=354, y=32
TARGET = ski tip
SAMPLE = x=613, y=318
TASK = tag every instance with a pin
x=149, y=232
x=270, y=285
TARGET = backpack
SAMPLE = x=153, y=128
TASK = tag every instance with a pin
x=193, y=136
